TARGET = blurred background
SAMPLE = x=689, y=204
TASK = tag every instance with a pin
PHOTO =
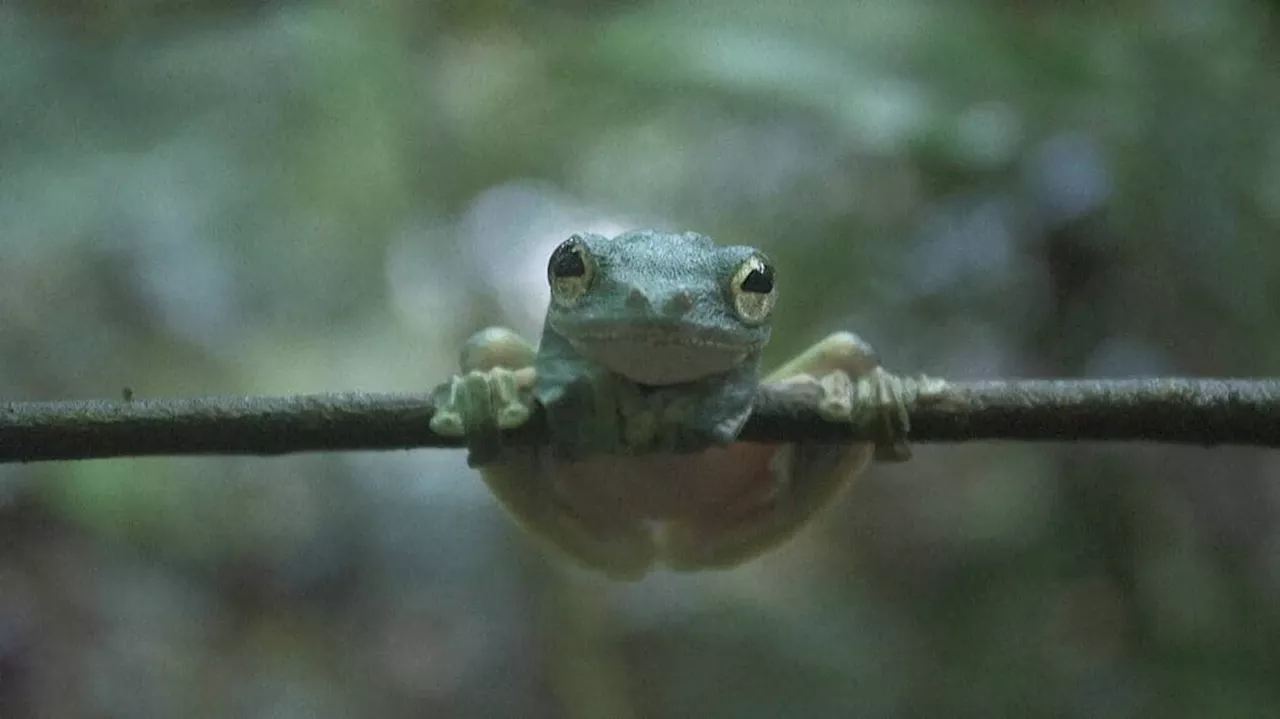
x=229, y=197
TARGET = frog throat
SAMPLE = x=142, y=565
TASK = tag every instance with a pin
x=650, y=358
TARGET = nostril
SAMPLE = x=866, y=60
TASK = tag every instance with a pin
x=637, y=301
x=679, y=304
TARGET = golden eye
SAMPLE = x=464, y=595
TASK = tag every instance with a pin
x=753, y=290
x=570, y=271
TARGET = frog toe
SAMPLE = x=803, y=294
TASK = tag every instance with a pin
x=450, y=402
x=885, y=395
x=512, y=405
x=448, y=424
x=512, y=416
x=837, y=396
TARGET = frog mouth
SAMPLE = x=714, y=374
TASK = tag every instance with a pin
x=663, y=355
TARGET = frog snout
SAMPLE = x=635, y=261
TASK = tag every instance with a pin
x=675, y=304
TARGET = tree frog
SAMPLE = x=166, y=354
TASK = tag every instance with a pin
x=647, y=367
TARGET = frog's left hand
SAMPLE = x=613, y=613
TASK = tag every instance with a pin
x=856, y=390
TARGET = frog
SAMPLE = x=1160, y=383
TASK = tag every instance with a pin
x=647, y=368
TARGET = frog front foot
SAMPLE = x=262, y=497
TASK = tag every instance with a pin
x=878, y=397
x=479, y=405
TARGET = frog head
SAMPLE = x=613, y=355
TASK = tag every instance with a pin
x=660, y=308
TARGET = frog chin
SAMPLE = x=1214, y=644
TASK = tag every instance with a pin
x=649, y=363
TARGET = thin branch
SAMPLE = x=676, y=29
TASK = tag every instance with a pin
x=1187, y=411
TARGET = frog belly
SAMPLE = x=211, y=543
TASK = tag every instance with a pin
x=665, y=486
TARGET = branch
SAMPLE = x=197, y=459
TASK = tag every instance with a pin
x=1188, y=411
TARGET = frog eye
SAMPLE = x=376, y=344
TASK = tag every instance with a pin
x=753, y=289
x=570, y=271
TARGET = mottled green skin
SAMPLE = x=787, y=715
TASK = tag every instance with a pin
x=646, y=380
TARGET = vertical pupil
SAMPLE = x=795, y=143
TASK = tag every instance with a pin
x=759, y=280
x=567, y=262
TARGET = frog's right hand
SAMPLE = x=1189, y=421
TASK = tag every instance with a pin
x=479, y=404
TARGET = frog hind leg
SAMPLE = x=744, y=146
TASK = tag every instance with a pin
x=796, y=481
x=523, y=477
